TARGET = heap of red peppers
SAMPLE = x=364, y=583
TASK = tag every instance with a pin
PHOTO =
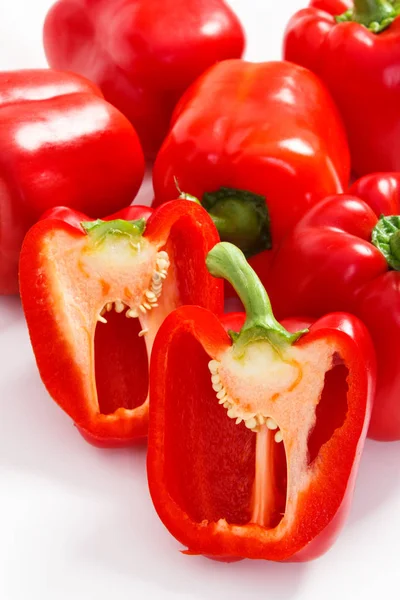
x=256, y=419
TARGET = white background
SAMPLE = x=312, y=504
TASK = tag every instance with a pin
x=77, y=522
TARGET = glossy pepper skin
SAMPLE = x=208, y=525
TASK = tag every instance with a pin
x=381, y=191
x=248, y=136
x=329, y=263
x=143, y=54
x=60, y=143
x=359, y=67
x=221, y=479
x=94, y=298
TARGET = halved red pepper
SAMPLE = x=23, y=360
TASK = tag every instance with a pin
x=220, y=477
x=60, y=143
x=344, y=255
x=94, y=294
x=143, y=54
x=257, y=144
x=354, y=47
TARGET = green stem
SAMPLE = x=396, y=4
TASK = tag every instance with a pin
x=227, y=261
x=395, y=245
x=386, y=237
x=241, y=218
x=375, y=15
x=369, y=11
x=99, y=230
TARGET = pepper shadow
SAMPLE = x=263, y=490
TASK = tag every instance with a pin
x=10, y=312
x=37, y=436
x=132, y=542
x=378, y=479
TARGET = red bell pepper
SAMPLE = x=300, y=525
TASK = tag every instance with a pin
x=143, y=54
x=344, y=256
x=60, y=143
x=220, y=478
x=94, y=296
x=258, y=144
x=354, y=47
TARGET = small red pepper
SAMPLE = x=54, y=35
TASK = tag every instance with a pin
x=258, y=144
x=220, y=477
x=60, y=143
x=94, y=295
x=143, y=54
x=354, y=47
x=344, y=255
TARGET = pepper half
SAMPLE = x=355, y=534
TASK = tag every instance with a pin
x=254, y=442
x=94, y=295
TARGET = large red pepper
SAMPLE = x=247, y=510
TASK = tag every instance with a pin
x=258, y=144
x=60, y=143
x=94, y=298
x=354, y=46
x=343, y=256
x=143, y=54
x=220, y=477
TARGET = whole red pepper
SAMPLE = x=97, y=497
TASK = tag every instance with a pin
x=60, y=143
x=220, y=477
x=143, y=54
x=354, y=46
x=94, y=294
x=258, y=144
x=343, y=255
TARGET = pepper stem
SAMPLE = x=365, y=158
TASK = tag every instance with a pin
x=227, y=261
x=375, y=15
x=99, y=230
x=386, y=237
x=241, y=218
x=395, y=245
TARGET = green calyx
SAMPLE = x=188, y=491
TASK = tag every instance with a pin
x=99, y=230
x=386, y=237
x=375, y=15
x=241, y=218
x=227, y=261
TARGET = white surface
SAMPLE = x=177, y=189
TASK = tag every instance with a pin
x=77, y=522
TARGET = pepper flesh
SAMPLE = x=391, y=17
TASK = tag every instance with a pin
x=60, y=143
x=90, y=296
x=329, y=263
x=127, y=47
x=355, y=63
x=266, y=132
x=239, y=492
